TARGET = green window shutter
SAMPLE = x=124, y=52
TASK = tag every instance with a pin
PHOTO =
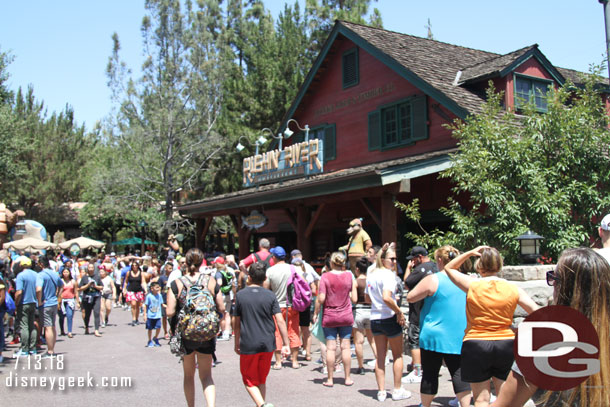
x=330, y=143
x=351, y=75
x=419, y=113
x=374, y=130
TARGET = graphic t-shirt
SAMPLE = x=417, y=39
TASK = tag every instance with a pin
x=153, y=305
x=91, y=291
x=256, y=307
x=356, y=246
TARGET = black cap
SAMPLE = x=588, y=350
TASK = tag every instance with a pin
x=417, y=251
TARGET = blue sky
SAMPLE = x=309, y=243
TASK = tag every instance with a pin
x=62, y=47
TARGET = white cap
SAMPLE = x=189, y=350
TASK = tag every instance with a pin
x=605, y=225
x=113, y=254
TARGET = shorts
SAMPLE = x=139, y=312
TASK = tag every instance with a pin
x=388, y=327
x=134, y=296
x=483, y=359
x=413, y=333
x=255, y=368
x=305, y=317
x=227, y=301
x=344, y=332
x=362, y=318
x=153, y=323
x=107, y=296
x=48, y=315
x=292, y=323
x=206, y=348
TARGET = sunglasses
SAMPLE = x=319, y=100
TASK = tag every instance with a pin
x=392, y=258
x=552, y=278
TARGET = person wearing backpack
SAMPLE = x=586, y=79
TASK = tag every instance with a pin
x=262, y=255
x=225, y=278
x=337, y=293
x=277, y=280
x=195, y=288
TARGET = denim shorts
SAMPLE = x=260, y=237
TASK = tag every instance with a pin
x=388, y=327
x=344, y=332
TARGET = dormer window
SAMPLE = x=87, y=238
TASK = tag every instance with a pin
x=351, y=76
x=532, y=89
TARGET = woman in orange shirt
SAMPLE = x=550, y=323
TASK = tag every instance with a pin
x=487, y=349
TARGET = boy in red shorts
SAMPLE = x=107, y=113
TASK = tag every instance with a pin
x=254, y=328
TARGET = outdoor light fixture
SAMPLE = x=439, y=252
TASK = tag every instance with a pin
x=529, y=247
x=20, y=228
x=288, y=133
x=260, y=141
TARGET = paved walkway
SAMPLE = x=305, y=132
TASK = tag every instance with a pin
x=155, y=376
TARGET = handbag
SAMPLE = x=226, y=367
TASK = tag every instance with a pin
x=176, y=346
x=316, y=329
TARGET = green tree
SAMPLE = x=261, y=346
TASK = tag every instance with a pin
x=547, y=172
x=165, y=129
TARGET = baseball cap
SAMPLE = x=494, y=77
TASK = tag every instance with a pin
x=296, y=260
x=113, y=254
x=295, y=252
x=219, y=260
x=417, y=251
x=25, y=261
x=279, y=252
x=605, y=225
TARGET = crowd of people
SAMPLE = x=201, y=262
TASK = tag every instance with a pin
x=459, y=314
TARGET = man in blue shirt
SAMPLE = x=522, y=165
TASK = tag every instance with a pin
x=25, y=297
x=48, y=287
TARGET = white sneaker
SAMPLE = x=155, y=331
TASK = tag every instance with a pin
x=324, y=370
x=411, y=378
x=371, y=363
x=388, y=360
x=454, y=402
x=381, y=395
x=400, y=394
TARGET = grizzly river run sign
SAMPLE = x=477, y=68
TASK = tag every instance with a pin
x=294, y=161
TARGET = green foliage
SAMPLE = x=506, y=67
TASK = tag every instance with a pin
x=430, y=239
x=549, y=173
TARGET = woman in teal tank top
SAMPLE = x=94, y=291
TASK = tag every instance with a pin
x=442, y=325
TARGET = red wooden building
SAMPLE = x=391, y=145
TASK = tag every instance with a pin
x=379, y=101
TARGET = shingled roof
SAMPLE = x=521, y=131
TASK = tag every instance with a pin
x=446, y=68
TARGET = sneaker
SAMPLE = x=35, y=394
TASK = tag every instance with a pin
x=360, y=371
x=266, y=405
x=156, y=341
x=319, y=361
x=388, y=360
x=224, y=338
x=15, y=341
x=371, y=363
x=151, y=344
x=454, y=402
x=400, y=394
x=20, y=353
x=48, y=355
x=33, y=352
x=103, y=325
x=324, y=370
x=382, y=395
x=338, y=368
x=411, y=378
x=353, y=355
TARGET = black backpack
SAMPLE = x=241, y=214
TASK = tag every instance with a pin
x=265, y=262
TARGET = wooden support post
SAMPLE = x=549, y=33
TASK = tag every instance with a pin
x=291, y=219
x=199, y=225
x=374, y=215
x=303, y=242
x=204, y=231
x=314, y=220
x=389, y=229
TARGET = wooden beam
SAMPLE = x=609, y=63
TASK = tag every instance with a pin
x=365, y=202
x=303, y=241
x=314, y=220
x=291, y=219
x=389, y=230
x=236, y=219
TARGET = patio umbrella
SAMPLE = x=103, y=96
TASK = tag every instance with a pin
x=83, y=243
x=29, y=243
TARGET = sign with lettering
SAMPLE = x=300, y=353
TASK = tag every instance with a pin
x=297, y=160
x=255, y=220
x=356, y=99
